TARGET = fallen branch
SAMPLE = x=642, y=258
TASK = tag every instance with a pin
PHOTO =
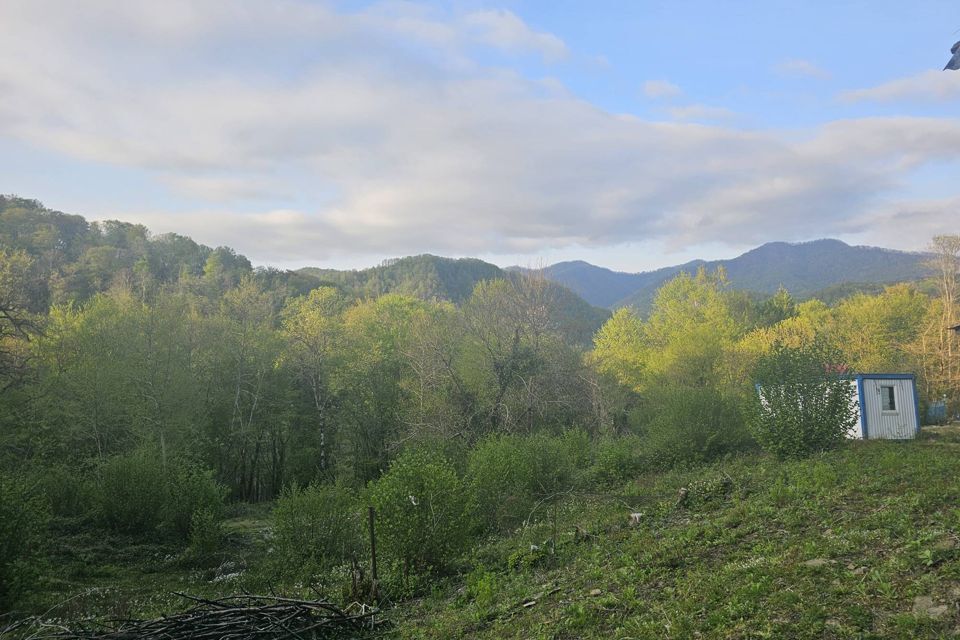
x=241, y=617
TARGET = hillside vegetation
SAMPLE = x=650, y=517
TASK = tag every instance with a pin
x=860, y=542
x=426, y=277
x=430, y=277
x=173, y=419
x=857, y=543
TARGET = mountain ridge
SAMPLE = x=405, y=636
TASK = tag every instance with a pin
x=86, y=257
x=803, y=268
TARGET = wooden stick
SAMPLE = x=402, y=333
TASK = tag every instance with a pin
x=374, y=588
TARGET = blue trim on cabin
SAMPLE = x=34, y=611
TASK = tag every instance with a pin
x=916, y=404
x=886, y=376
x=861, y=398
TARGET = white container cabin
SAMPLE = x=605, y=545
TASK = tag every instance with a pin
x=888, y=406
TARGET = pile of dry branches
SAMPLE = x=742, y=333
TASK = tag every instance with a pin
x=245, y=617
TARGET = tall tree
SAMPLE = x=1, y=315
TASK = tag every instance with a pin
x=17, y=320
x=251, y=441
x=371, y=380
x=945, y=370
x=875, y=332
x=313, y=334
x=87, y=356
x=442, y=405
x=690, y=330
x=619, y=349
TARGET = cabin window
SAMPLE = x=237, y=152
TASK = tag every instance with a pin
x=888, y=398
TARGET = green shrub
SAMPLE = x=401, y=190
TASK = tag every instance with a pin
x=190, y=489
x=804, y=405
x=706, y=491
x=24, y=514
x=137, y=494
x=316, y=528
x=510, y=476
x=70, y=492
x=420, y=504
x=616, y=458
x=483, y=590
x=206, y=534
x=501, y=475
x=132, y=492
x=691, y=425
x=558, y=460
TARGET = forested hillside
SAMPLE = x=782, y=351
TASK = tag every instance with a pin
x=71, y=259
x=804, y=269
x=426, y=277
x=170, y=414
x=430, y=277
x=118, y=338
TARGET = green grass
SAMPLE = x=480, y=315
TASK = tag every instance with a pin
x=838, y=546
x=95, y=574
x=862, y=542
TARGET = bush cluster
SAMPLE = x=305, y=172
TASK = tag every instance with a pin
x=24, y=514
x=617, y=458
x=803, y=404
x=137, y=493
x=316, y=528
x=426, y=512
x=691, y=425
x=70, y=492
x=206, y=535
x=510, y=476
x=422, y=511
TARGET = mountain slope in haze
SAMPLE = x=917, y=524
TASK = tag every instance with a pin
x=431, y=277
x=803, y=268
x=425, y=276
x=598, y=285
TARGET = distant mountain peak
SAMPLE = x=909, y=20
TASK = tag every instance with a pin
x=802, y=267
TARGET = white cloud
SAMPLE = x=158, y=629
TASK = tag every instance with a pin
x=798, y=67
x=303, y=133
x=908, y=224
x=219, y=188
x=506, y=31
x=699, y=112
x=929, y=86
x=659, y=89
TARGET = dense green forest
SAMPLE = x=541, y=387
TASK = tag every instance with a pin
x=154, y=389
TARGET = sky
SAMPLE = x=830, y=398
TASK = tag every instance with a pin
x=632, y=134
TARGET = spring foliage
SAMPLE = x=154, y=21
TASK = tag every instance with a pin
x=149, y=379
x=804, y=404
x=421, y=509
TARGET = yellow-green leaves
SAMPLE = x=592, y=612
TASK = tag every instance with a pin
x=619, y=348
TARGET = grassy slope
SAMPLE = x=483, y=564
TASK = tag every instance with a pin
x=839, y=546
x=93, y=573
